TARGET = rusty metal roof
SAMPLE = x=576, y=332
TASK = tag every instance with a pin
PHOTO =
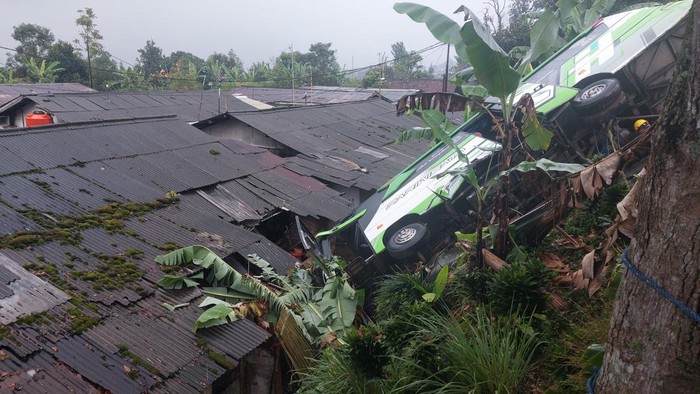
x=60, y=177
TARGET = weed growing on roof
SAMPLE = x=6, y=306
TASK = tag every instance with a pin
x=220, y=360
x=66, y=230
x=214, y=152
x=36, y=318
x=80, y=322
x=169, y=246
x=113, y=273
x=133, y=253
x=50, y=272
x=125, y=352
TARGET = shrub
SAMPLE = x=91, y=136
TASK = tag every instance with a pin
x=518, y=286
x=367, y=351
x=396, y=291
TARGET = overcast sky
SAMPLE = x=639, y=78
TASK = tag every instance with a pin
x=360, y=30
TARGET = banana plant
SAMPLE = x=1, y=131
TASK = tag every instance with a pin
x=42, y=73
x=232, y=295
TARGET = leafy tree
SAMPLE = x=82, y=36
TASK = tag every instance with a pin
x=180, y=59
x=74, y=68
x=373, y=79
x=128, y=79
x=229, y=60
x=260, y=74
x=91, y=39
x=407, y=64
x=151, y=59
x=284, y=71
x=34, y=42
x=324, y=67
x=183, y=76
x=7, y=75
x=517, y=32
x=105, y=71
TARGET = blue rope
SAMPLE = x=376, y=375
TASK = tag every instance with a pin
x=590, y=383
x=662, y=292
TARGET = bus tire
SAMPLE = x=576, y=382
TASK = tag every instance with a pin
x=600, y=96
x=407, y=240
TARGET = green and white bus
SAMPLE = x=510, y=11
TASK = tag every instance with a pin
x=620, y=68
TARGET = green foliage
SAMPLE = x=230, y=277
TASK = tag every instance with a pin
x=596, y=214
x=406, y=63
x=366, y=350
x=442, y=28
x=396, y=291
x=221, y=313
x=151, y=59
x=438, y=285
x=491, y=64
x=43, y=72
x=175, y=282
x=518, y=287
x=330, y=309
x=334, y=371
x=480, y=353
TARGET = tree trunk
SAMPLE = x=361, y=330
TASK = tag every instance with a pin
x=652, y=346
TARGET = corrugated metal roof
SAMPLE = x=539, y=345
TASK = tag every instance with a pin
x=72, y=171
x=40, y=374
x=317, y=95
x=188, y=106
x=362, y=133
x=9, y=92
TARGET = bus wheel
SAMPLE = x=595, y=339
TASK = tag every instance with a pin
x=600, y=96
x=407, y=240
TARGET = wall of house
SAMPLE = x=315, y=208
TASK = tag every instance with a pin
x=237, y=130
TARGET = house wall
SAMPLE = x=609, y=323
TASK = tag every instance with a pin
x=237, y=130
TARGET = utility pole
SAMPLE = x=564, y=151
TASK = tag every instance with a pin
x=447, y=70
x=87, y=48
x=292, y=49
